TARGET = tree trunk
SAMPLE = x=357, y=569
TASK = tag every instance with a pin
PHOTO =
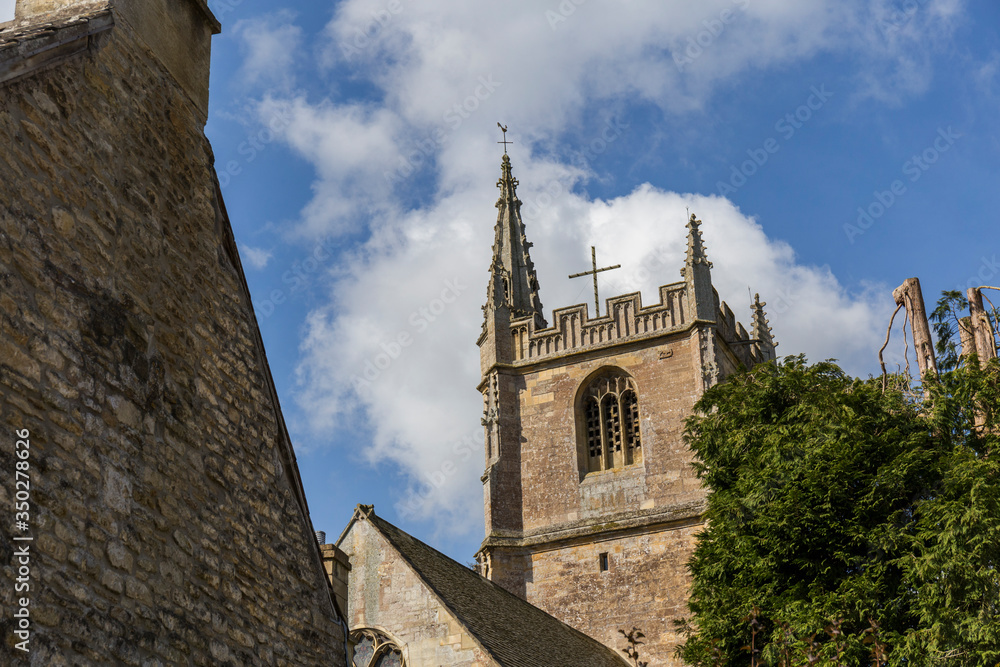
x=967, y=336
x=982, y=330
x=909, y=295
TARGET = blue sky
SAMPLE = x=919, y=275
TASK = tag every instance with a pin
x=833, y=148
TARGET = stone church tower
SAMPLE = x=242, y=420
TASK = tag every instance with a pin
x=591, y=502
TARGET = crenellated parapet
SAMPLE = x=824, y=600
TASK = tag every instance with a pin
x=626, y=319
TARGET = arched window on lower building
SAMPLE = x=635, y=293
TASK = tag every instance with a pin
x=610, y=422
x=374, y=649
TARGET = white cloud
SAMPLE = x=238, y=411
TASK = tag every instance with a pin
x=352, y=147
x=387, y=348
x=899, y=41
x=445, y=72
x=987, y=75
x=430, y=55
x=269, y=44
x=257, y=257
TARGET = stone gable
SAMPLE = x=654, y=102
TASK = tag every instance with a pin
x=386, y=594
x=169, y=523
x=444, y=614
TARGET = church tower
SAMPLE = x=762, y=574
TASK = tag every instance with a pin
x=591, y=501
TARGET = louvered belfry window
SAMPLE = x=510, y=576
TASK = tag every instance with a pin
x=611, y=422
x=592, y=422
x=630, y=425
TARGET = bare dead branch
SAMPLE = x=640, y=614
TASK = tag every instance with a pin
x=881, y=361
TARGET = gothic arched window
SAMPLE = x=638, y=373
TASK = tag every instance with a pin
x=373, y=649
x=610, y=422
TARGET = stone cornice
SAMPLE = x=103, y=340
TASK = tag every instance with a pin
x=670, y=517
x=592, y=351
x=26, y=47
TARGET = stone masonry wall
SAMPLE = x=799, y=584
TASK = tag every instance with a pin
x=643, y=516
x=554, y=495
x=166, y=530
x=387, y=595
x=646, y=586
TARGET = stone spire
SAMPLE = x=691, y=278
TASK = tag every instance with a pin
x=762, y=331
x=697, y=273
x=513, y=283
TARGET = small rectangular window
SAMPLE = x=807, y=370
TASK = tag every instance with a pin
x=604, y=562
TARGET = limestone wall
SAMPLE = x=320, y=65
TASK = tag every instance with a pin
x=387, y=595
x=556, y=490
x=643, y=515
x=646, y=586
x=168, y=526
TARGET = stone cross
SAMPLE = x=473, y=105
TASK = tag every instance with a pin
x=594, y=271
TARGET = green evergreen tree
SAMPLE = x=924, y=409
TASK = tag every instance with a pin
x=843, y=517
x=954, y=560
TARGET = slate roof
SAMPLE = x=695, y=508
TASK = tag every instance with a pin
x=513, y=632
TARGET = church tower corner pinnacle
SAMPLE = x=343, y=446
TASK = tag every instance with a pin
x=697, y=273
x=513, y=283
x=762, y=330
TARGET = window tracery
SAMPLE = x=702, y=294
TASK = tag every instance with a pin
x=610, y=422
x=373, y=649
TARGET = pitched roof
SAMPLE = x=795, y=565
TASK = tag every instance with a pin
x=513, y=632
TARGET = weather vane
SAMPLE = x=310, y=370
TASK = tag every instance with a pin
x=504, y=142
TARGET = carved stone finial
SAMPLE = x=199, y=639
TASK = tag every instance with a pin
x=507, y=183
x=762, y=330
x=696, y=253
x=697, y=273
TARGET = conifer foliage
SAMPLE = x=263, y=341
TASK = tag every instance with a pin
x=847, y=524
